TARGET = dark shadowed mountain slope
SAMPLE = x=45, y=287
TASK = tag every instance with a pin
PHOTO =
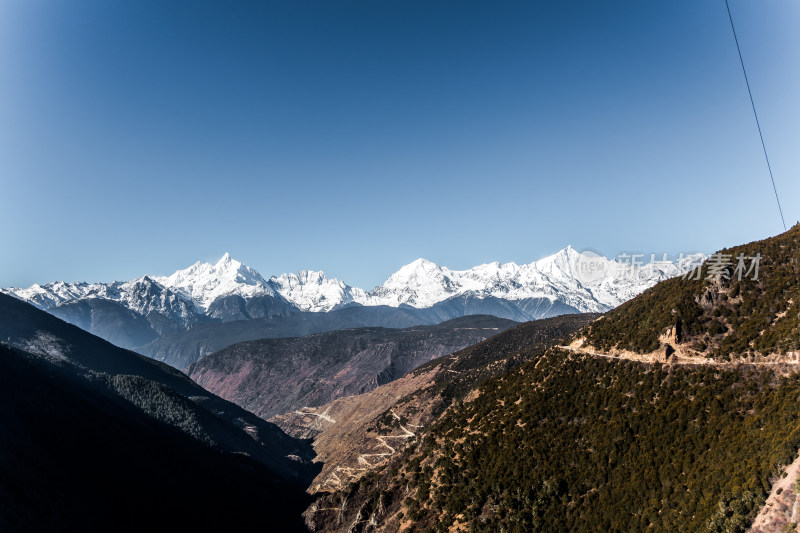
x=159, y=390
x=127, y=314
x=518, y=310
x=182, y=349
x=108, y=320
x=272, y=376
x=77, y=456
x=235, y=307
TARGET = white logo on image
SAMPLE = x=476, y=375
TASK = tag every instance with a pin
x=591, y=267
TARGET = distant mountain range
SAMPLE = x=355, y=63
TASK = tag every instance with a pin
x=135, y=314
x=273, y=376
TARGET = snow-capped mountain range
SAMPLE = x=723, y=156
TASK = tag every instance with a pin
x=229, y=290
x=556, y=278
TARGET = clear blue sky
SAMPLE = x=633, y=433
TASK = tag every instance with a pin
x=355, y=136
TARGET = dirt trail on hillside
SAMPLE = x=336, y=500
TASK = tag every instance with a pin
x=362, y=459
x=346, y=444
x=676, y=359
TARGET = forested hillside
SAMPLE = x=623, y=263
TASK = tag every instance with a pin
x=582, y=441
x=571, y=442
x=721, y=317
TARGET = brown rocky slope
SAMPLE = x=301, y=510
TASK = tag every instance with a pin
x=273, y=376
x=354, y=435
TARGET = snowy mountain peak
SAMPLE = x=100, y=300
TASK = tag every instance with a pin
x=562, y=264
x=422, y=262
x=564, y=256
x=203, y=282
x=311, y=290
x=420, y=283
x=415, y=268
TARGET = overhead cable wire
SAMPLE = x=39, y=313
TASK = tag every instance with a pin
x=758, y=124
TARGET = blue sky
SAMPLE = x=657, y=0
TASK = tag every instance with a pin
x=355, y=136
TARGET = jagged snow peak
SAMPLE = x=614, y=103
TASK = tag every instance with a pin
x=423, y=283
x=55, y=293
x=310, y=290
x=143, y=295
x=203, y=283
x=419, y=284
